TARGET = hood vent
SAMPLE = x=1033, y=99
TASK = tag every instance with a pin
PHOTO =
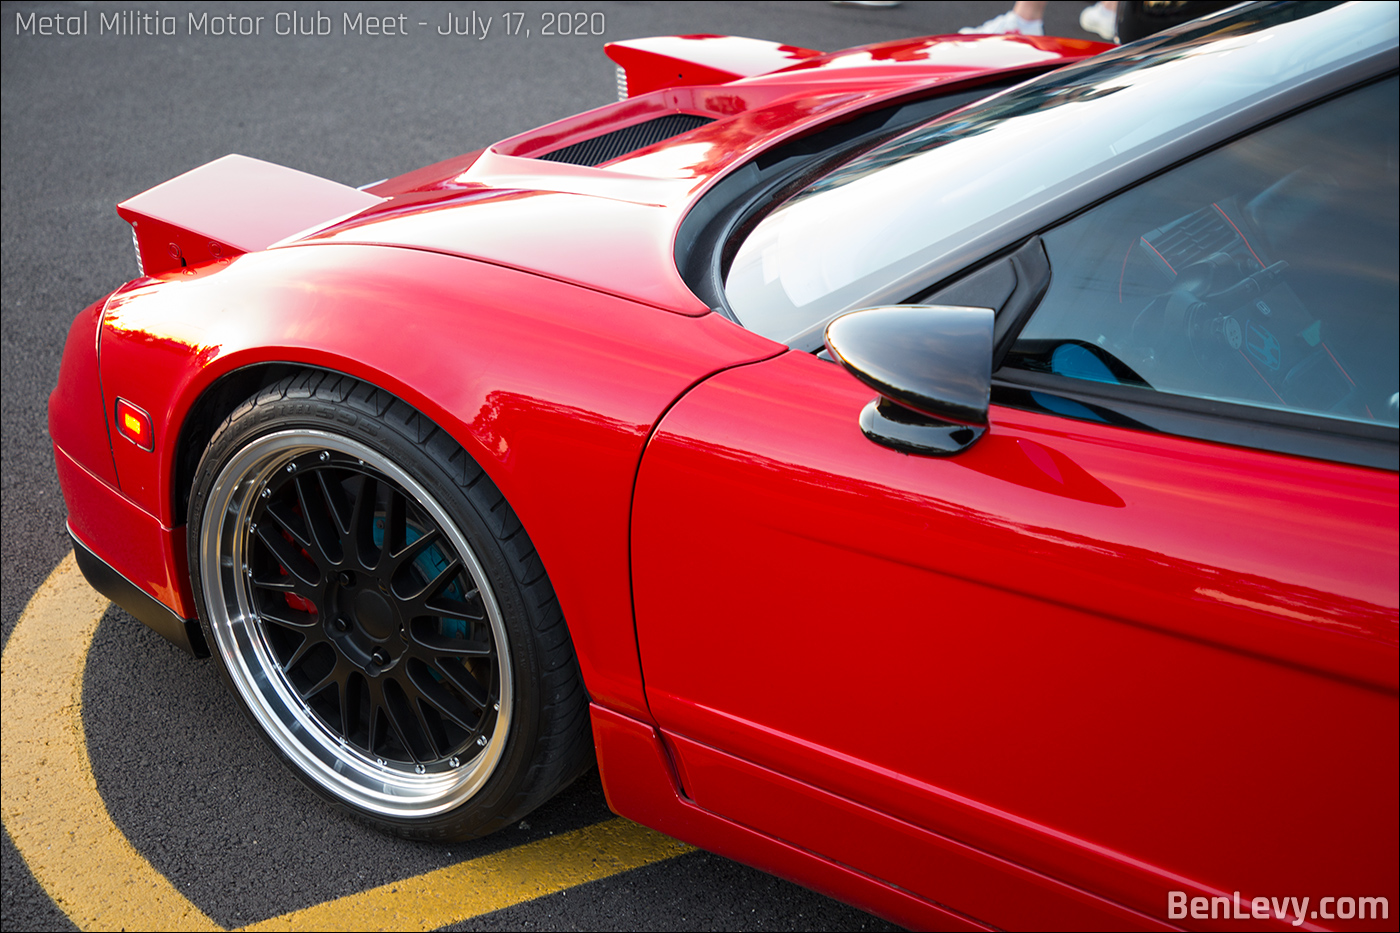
x=618, y=143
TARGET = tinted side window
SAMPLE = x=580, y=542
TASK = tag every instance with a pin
x=1264, y=272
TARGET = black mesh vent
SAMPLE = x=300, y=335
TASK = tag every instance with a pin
x=618, y=143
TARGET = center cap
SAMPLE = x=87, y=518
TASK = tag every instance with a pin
x=374, y=614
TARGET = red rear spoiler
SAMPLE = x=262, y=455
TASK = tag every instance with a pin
x=231, y=206
x=677, y=61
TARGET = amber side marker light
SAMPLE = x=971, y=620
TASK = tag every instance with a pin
x=135, y=425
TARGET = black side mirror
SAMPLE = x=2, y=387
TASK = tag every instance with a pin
x=931, y=364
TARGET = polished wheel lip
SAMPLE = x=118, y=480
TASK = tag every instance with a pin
x=388, y=789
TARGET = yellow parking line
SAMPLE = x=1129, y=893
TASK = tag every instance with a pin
x=49, y=797
x=458, y=892
x=56, y=817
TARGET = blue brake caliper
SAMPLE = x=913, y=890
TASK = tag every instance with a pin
x=430, y=563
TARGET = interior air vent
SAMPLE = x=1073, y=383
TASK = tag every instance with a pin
x=618, y=143
x=1179, y=244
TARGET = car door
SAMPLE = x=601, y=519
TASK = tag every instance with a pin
x=1139, y=641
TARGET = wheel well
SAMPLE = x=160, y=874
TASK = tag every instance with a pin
x=536, y=731
x=208, y=412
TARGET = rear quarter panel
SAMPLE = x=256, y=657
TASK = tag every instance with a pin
x=550, y=387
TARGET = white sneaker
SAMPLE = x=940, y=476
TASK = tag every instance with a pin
x=1007, y=24
x=1099, y=20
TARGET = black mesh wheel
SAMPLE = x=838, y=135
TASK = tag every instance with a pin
x=380, y=614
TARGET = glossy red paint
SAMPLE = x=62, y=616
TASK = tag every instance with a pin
x=1127, y=617
x=149, y=554
x=934, y=56
x=1039, y=683
x=982, y=52
x=675, y=61
x=231, y=206
x=926, y=864
x=506, y=227
x=551, y=388
x=170, y=338
x=641, y=785
x=77, y=414
x=612, y=227
x=681, y=61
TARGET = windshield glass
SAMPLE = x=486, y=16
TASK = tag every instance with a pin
x=911, y=201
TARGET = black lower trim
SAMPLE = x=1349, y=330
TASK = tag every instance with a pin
x=182, y=632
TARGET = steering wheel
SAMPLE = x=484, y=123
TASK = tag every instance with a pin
x=1194, y=315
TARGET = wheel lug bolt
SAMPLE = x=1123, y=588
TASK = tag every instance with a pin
x=341, y=625
x=344, y=578
x=380, y=656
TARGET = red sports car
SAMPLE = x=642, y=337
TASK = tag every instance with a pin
x=959, y=474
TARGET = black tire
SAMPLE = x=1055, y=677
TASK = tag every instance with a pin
x=380, y=614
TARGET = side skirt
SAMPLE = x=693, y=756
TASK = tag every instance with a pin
x=641, y=785
x=110, y=583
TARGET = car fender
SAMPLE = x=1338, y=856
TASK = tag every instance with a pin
x=552, y=388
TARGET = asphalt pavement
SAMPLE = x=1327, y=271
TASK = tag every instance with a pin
x=89, y=120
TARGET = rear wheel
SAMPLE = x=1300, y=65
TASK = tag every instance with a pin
x=380, y=614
